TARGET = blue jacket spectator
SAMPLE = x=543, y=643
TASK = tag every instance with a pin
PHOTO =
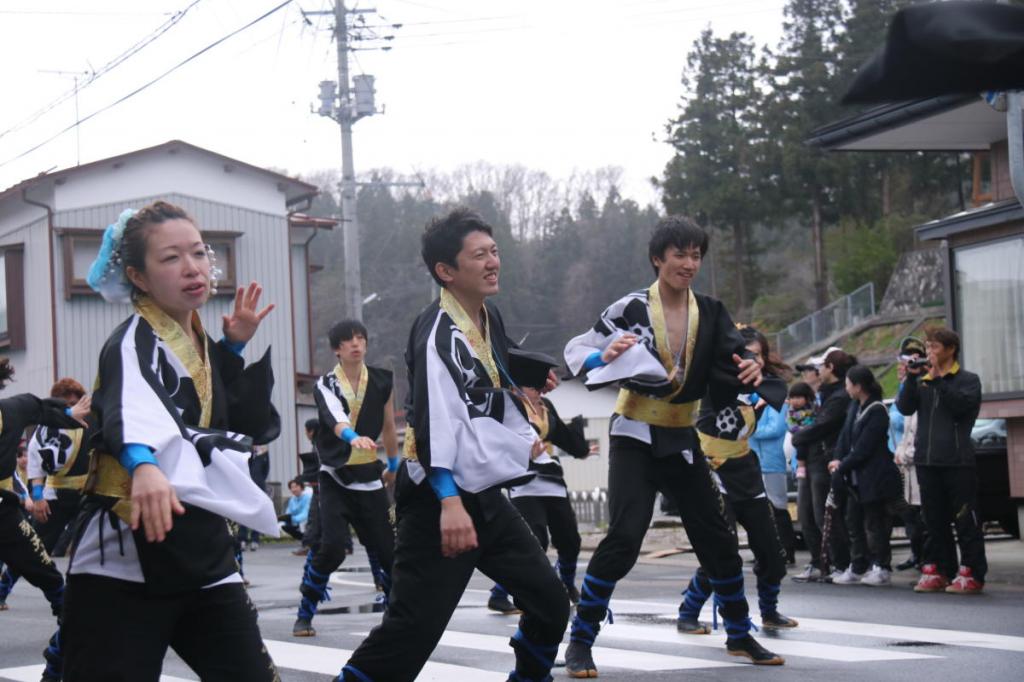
x=298, y=508
x=769, y=438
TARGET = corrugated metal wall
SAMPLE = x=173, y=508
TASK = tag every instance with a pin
x=33, y=366
x=262, y=253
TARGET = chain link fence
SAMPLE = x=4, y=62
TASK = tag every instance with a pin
x=835, y=318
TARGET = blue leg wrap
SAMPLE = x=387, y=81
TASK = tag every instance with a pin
x=499, y=592
x=54, y=656
x=729, y=591
x=544, y=654
x=7, y=581
x=375, y=567
x=694, y=598
x=768, y=597
x=567, y=572
x=354, y=673
x=315, y=590
x=591, y=597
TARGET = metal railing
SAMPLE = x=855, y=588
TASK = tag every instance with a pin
x=591, y=506
x=837, y=317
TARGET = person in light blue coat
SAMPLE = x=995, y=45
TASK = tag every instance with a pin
x=768, y=442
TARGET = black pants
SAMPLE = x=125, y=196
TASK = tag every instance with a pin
x=635, y=476
x=23, y=553
x=63, y=511
x=366, y=510
x=812, y=491
x=877, y=519
x=555, y=514
x=426, y=587
x=857, y=540
x=292, y=530
x=311, y=538
x=949, y=495
x=115, y=632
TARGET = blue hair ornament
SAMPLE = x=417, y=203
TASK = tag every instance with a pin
x=106, y=274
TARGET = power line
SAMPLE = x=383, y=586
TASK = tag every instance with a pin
x=103, y=70
x=150, y=83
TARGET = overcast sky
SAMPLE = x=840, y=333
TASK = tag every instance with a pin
x=555, y=85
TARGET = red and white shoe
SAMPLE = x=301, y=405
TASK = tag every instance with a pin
x=965, y=583
x=931, y=580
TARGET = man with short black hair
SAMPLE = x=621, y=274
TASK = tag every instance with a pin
x=355, y=406
x=468, y=437
x=947, y=399
x=666, y=347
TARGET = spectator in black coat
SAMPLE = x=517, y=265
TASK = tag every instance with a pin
x=819, y=440
x=864, y=466
x=946, y=399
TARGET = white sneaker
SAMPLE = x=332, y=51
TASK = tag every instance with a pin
x=847, y=577
x=877, y=576
x=809, y=574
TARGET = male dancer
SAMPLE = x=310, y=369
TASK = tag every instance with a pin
x=356, y=406
x=467, y=438
x=544, y=501
x=668, y=347
x=58, y=461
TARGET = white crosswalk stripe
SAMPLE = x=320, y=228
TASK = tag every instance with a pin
x=328, y=661
x=32, y=673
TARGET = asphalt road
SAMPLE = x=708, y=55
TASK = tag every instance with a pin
x=847, y=633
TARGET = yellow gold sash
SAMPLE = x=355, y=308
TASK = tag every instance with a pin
x=540, y=419
x=354, y=398
x=481, y=343
x=7, y=484
x=661, y=411
x=718, y=450
x=409, y=444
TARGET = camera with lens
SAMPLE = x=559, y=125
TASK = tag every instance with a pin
x=915, y=361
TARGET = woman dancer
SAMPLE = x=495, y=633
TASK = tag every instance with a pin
x=152, y=545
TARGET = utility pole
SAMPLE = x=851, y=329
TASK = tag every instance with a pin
x=346, y=102
x=78, y=128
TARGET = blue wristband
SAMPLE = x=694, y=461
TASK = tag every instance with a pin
x=394, y=463
x=235, y=347
x=594, y=361
x=135, y=454
x=348, y=434
x=442, y=482
x=67, y=411
x=37, y=491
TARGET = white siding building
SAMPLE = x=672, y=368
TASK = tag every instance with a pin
x=50, y=230
x=570, y=399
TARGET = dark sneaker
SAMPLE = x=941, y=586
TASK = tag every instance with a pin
x=503, y=605
x=692, y=626
x=579, y=662
x=303, y=628
x=3, y=605
x=749, y=648
x=777, y=621
x=908, y=564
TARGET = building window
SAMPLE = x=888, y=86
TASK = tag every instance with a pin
x=981, y=178
x=990, y=312
x=12, y=297
x=80, y=246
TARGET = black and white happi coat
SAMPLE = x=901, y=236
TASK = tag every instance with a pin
x=200, y=418
x=363, y=411
x=55, y=454
x=460, y=412
x=18, y=413
x=705, y=366
x=567, y=437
